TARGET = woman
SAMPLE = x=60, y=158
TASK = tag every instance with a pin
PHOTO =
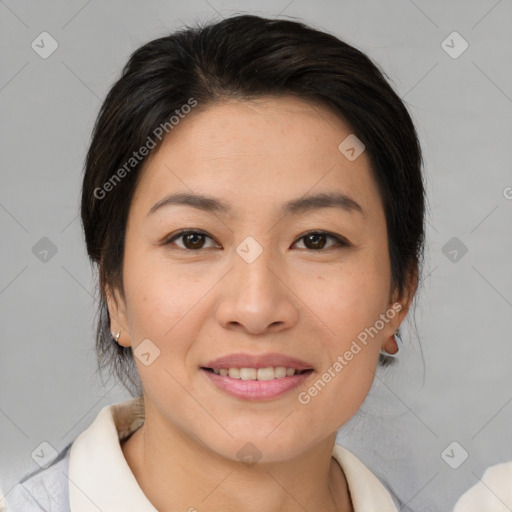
x=254, y=203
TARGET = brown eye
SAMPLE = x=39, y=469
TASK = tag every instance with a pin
x=191, y=240
x=316, y=240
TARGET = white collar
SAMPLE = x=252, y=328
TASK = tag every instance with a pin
x=100, y=478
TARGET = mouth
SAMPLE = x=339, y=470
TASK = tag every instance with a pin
x=256, y=377
x=256, y=384
x=260, y=374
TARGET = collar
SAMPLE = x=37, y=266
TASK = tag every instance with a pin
x=100, y=478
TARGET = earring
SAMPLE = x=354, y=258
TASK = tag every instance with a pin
x=116, y=337
x=398, y=338
x=399, y=344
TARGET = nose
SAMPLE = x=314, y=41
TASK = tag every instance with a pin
x=256, y=297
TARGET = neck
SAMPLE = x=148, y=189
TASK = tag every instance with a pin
x=177, y=473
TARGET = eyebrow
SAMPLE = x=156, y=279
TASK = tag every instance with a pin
x=294, y=206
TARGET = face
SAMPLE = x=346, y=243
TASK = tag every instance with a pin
x=259, y=275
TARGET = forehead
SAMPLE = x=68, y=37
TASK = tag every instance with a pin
x=268, y=149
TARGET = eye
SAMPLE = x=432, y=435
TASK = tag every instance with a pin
x=315, y=240
x=192, y=239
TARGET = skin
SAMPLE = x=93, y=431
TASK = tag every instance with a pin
x=197, y=305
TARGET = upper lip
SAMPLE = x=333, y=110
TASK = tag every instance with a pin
x=241, y=360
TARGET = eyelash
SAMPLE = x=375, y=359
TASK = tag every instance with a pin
x=341, y=242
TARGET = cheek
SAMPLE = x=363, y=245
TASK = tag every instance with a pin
x=162, y=307
x=349, y=297
x=160, y=298
x=348, y=306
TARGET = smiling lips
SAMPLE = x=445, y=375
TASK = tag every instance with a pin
x=257, y=377
x=241, y=360
x=267, y=373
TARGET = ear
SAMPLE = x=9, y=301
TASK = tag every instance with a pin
x=400, y=304
x=118, y=317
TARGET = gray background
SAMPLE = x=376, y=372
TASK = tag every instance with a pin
x=453, y=381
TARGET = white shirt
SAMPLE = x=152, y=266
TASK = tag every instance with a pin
x=97, y=476
x=493, y=493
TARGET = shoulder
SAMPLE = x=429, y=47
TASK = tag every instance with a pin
x=368, y=493
x=43, y=490
x=493, y=493
x=90, y=456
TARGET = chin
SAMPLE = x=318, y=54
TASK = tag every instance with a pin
x=259, y=447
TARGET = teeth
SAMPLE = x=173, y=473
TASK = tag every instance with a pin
x=265, y=373
x=280, y=372
x=248, y=373
x=269, y=373
x=234, y=373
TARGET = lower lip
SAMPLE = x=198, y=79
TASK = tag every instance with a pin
x=256, y=389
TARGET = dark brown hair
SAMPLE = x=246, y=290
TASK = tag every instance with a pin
x=242, y=57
